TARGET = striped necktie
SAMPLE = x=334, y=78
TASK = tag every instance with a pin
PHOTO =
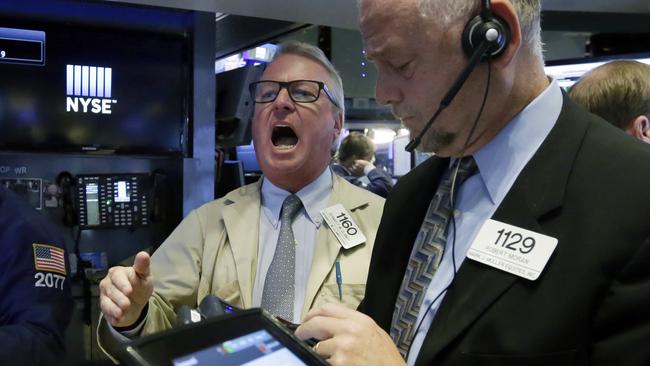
x=426, y=256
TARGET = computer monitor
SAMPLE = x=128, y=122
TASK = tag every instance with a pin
x=246, y=154
x=90, y=88
x=568, y=72
x=401, y=157
x=235, y=106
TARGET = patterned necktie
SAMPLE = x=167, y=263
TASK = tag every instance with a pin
x=425, y=257
x=278, y=294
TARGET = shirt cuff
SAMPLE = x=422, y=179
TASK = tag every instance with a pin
x=128, y=333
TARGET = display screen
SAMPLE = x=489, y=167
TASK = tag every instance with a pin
x=122, y=191
x=92, y=204
x=30, y=189
x=113, y=200
x=568, y=72
x=246, y=154
x=254, y=349
x=98, y=89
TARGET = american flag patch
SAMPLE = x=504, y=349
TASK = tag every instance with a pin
x=49, y=258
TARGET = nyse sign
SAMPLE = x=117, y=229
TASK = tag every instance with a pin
x=96, y=105
x=89, y=89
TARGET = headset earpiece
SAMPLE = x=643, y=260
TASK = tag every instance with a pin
x=494, y=29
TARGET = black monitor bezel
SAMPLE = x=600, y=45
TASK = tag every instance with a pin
x=155, y=349
x=184, y=124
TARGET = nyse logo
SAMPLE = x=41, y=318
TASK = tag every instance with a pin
x=89, y=89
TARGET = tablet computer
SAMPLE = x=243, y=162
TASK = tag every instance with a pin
x=249, y=337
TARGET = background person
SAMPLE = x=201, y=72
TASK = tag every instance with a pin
x=238, y=247
x=36, y=303
x=355, y=158
x=619, y=92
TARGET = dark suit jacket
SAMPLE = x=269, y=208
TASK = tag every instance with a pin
x=588, y=186
x=380, y=182
x=35, y=304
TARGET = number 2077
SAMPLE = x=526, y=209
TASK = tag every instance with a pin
x=49, y=280
x=515, y=241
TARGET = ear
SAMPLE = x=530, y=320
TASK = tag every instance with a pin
x=640, y=128
x=338, y=123
x=504, y=10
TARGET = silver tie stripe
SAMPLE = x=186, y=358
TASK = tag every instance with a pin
x=279, y=285
x=425, y=257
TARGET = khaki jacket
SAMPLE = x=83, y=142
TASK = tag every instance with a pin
x=214, y=251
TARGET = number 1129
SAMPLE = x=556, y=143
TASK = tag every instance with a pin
x=515, y=241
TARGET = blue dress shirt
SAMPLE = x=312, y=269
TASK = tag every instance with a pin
x=499, y=163
x=314, y=197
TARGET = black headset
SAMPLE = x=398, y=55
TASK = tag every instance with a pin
x=486, y=26
x=485, y=37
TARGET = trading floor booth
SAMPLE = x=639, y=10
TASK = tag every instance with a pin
x=116, y=119
x=100, y=104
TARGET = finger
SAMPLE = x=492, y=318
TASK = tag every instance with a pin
x=332, y=310
x=141, y=265
x=325, y=348
x=121, y=280
x=321, y=327
x=117, y=297
x=109, y=319
x=110, y=310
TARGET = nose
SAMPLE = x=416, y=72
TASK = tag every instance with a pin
x=283, y=101
x=387, y=90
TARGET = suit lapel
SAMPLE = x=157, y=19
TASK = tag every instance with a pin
x=241, y=216
x=475, y=287
x=327, y=245
x=534, y=198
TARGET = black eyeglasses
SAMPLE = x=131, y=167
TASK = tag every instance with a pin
x=300, y=91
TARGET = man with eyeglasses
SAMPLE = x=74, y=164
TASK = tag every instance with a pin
x=266, y=244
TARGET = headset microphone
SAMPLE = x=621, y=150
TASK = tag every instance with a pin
x=485, y=36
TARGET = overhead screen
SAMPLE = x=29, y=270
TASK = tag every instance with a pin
x=568, y=72
x=95, y=89
x=235, y=106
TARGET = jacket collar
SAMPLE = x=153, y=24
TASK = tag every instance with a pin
x=241, y=213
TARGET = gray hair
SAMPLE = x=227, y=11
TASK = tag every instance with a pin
x=316, y=54
x=452, y=11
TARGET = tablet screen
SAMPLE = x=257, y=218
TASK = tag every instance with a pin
x=254, y=349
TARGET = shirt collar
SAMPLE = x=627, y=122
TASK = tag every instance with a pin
x=314, y=197
x=501, y=160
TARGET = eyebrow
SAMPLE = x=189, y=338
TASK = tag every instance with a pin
x=381, y=50
x=372, y=55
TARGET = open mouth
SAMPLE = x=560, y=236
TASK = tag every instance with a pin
x=284, y=137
